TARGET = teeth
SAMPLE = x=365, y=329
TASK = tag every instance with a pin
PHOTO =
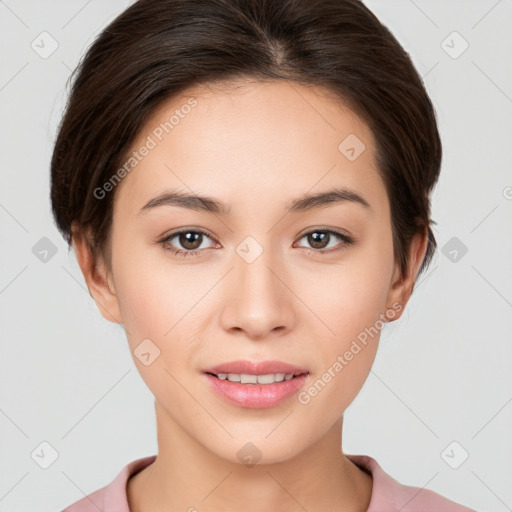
x=255, y=379
x=269, y=379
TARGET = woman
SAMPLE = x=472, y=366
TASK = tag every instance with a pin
x=246, y=185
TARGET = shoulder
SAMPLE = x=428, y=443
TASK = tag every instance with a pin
x=391, y=495
x=93, y=501
x=112, y=497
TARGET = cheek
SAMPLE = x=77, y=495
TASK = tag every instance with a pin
x=351, y=296
x=350, y=309
x=165, y=303
x=350, y=302
x=158, y=306
x=345, y=355
x=153, y=293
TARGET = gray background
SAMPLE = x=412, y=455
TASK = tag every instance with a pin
x=442, y=374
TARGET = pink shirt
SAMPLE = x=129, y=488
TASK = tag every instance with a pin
x=388, y=495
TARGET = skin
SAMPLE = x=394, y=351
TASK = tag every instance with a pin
x=255, y=147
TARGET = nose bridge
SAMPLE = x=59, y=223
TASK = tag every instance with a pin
x=258, y=301
x=254, y=276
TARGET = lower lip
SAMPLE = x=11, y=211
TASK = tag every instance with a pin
x=256, y=396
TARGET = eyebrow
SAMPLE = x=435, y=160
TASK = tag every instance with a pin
x=212, y=205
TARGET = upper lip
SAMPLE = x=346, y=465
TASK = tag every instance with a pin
x=256, y=368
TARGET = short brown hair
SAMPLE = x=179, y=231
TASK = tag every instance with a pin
x=156, y=49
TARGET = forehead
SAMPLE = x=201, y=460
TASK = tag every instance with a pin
x=241, y=141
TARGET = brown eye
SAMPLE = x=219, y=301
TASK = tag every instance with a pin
x=189, y=239
x=319, y=239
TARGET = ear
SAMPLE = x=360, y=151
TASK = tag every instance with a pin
x=99, y=282
x=402, y=285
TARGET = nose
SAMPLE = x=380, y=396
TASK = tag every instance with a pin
x=258, y=301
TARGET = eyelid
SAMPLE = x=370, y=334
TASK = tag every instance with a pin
x=179, y=231
x=339, y=231
x=344, y=238
x=204, y=231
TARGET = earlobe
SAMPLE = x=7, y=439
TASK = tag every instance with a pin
x=99, y=282
x=403, y=284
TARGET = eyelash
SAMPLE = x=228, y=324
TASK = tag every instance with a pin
x=346, y=241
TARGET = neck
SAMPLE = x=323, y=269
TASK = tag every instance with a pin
x=187, y=476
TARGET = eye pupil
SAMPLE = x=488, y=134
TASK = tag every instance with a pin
x=317, y=238
x=189, y=239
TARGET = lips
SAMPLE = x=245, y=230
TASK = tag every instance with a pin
x=256, y=368
x=256, y=385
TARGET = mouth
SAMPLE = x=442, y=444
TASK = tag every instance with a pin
x=255, y=368
x=265, y=379
x=256, y=385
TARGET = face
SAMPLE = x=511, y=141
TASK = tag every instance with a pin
x=307, y=285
